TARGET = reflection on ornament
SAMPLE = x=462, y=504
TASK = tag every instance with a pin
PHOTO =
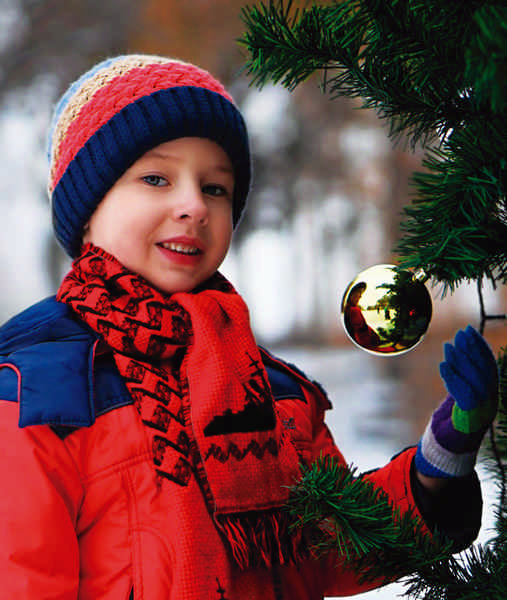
x=386, y=310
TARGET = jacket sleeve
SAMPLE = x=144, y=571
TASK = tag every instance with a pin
x=39, y=501
x=455, y=509
x=397, y=479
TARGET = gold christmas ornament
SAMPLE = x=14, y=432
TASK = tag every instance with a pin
x=386, y=310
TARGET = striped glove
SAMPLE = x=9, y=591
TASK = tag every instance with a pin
x=451, y=441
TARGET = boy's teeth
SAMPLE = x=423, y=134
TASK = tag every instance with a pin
x=180, y=248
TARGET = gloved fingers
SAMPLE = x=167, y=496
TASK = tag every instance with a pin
x=460, y=361
x=475, y=347
x=472, y=359
x=478, y=350
x=459, y=388
x=466, y=369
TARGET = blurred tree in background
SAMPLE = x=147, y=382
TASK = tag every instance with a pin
x=59, y=37
x=44, y=45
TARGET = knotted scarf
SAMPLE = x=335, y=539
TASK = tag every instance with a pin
x=195, y=373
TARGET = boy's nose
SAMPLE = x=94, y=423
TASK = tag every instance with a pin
x=192, y=206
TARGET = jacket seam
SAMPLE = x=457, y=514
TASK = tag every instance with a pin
x=79, y=476
x=12, y=366
x=133, y=516
x=117, y=467
x=289, y=397
x=119, y=401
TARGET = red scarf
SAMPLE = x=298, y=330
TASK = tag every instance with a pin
x=191, y=358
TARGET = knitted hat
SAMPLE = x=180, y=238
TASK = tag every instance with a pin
x=119, y=110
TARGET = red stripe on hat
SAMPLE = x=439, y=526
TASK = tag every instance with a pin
x=121, y=91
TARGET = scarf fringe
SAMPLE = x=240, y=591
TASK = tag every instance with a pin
x=262, y=538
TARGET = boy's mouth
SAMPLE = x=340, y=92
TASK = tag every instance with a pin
x=181, y=248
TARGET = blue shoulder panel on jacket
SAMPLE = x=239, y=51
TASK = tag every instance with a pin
x=45, y=321
x=110, y=388
x=283, y=385
x=295, y=375
x=56, y=383
x=53, y=353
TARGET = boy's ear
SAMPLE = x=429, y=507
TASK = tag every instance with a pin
x=86, y=228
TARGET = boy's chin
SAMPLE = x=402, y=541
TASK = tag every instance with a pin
x=169, y=288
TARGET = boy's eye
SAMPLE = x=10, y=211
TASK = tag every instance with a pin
x=155, y=180
x=212, y=189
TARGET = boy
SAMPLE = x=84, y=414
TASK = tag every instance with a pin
x=148, y=443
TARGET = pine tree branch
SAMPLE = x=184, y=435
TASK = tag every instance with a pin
x=434, y=72
x=399, y=57
x=486, y=57
x=352, y=518
x=456, y=226
x=341, y=513
x=287, y=46
x=477, y=574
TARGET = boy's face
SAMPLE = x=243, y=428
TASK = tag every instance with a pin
x=169, y=217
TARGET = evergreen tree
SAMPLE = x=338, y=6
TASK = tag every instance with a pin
x=436, y=71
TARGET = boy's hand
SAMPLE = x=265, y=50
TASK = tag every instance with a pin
x=449, y=446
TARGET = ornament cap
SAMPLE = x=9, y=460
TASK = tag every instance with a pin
x=421, y=275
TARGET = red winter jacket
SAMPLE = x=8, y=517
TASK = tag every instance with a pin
x=80, y=514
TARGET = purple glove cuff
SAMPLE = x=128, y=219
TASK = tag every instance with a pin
x=448, y=437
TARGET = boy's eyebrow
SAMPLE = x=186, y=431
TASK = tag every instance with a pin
x=225, y=169
x=153, y=153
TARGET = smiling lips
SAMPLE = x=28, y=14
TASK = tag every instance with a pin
x=182, y=250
